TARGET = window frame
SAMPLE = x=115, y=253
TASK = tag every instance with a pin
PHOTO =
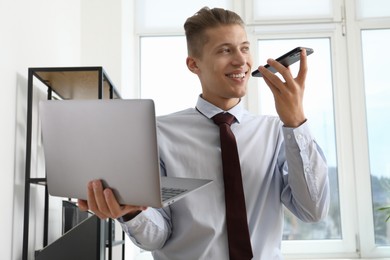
x=347, y=246
x=355, y=25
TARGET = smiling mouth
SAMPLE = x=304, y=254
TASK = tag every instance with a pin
x=236, y=76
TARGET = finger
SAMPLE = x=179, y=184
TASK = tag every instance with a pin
x=284, y=71
x=93, y=205
x=302, y=67
x=275, y=91
x=82, y=204
x=91, y=198
x=113, y=206
x=99, y=197
x=116, y=209
x=273, y=81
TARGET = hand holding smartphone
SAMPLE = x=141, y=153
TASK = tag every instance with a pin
x=286, y=59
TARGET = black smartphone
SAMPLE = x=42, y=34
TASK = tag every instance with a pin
x=286, y=59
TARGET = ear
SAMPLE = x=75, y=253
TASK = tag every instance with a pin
x=191, y=65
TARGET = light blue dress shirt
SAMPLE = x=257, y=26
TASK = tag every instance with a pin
x=279, y=165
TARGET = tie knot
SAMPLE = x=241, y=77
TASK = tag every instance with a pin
x=223, y=118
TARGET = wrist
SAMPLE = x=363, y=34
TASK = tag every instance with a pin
x=130, y=216
x=294, y=124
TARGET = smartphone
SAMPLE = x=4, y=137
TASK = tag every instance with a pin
x=286, y=59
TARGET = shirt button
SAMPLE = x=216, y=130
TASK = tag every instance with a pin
x=288, y=136
x=307, y=169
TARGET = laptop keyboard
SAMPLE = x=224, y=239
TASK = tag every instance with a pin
x=168, y=193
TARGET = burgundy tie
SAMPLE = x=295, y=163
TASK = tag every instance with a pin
x=236, y=219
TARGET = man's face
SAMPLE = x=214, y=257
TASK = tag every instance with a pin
x=225, y=65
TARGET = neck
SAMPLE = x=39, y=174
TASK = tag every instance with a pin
x=224, y=104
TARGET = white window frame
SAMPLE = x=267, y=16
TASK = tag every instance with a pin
x=359, y=126
x=346, y=246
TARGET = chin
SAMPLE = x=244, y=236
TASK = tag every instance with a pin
x=241, y=93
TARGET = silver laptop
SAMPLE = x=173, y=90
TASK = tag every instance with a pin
x=111, y=140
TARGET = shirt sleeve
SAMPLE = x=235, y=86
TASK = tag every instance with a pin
x=305, y=175
x=150, y=229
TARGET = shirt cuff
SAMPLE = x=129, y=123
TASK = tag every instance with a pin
x=299, y=136
x=122, y=219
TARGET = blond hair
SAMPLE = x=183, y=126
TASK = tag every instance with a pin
x=206, y=18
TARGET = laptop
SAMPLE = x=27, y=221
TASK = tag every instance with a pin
x=111, y=140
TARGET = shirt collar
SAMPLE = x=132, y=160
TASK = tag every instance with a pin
x=209, y=110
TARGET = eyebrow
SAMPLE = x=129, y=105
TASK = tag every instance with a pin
x=229, y=44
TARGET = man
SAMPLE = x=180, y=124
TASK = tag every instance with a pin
x=280, y=162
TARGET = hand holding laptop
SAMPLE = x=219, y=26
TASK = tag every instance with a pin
x=104, y=204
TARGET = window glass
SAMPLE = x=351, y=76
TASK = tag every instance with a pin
x=373, y=8
x=376, y=82
x=318, y=103
x=165, y=77
x=291, y=9
x=170, y=14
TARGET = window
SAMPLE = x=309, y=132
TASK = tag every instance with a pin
x=277, y=10
x=346, y=101
x=373, y=8
x=164, y=77
x=319, y=103
x=377, y=93
x=157, y=15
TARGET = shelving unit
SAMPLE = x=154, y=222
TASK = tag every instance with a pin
x=64, y=83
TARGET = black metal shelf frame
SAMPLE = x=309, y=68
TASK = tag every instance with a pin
x=66, y=83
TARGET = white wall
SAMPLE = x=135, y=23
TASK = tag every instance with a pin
x=107, y=39
x=46, y=33
x=33, y=34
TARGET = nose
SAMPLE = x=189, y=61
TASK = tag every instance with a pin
x=239, y=58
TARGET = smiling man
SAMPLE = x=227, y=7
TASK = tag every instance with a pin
x=278, y=161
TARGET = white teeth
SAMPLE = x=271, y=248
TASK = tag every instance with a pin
x=241, y=75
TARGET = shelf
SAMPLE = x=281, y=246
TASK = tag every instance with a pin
x=77, y=82
x=66, y=83
x=84, y=241
x=39, y=181
x=118, y=242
